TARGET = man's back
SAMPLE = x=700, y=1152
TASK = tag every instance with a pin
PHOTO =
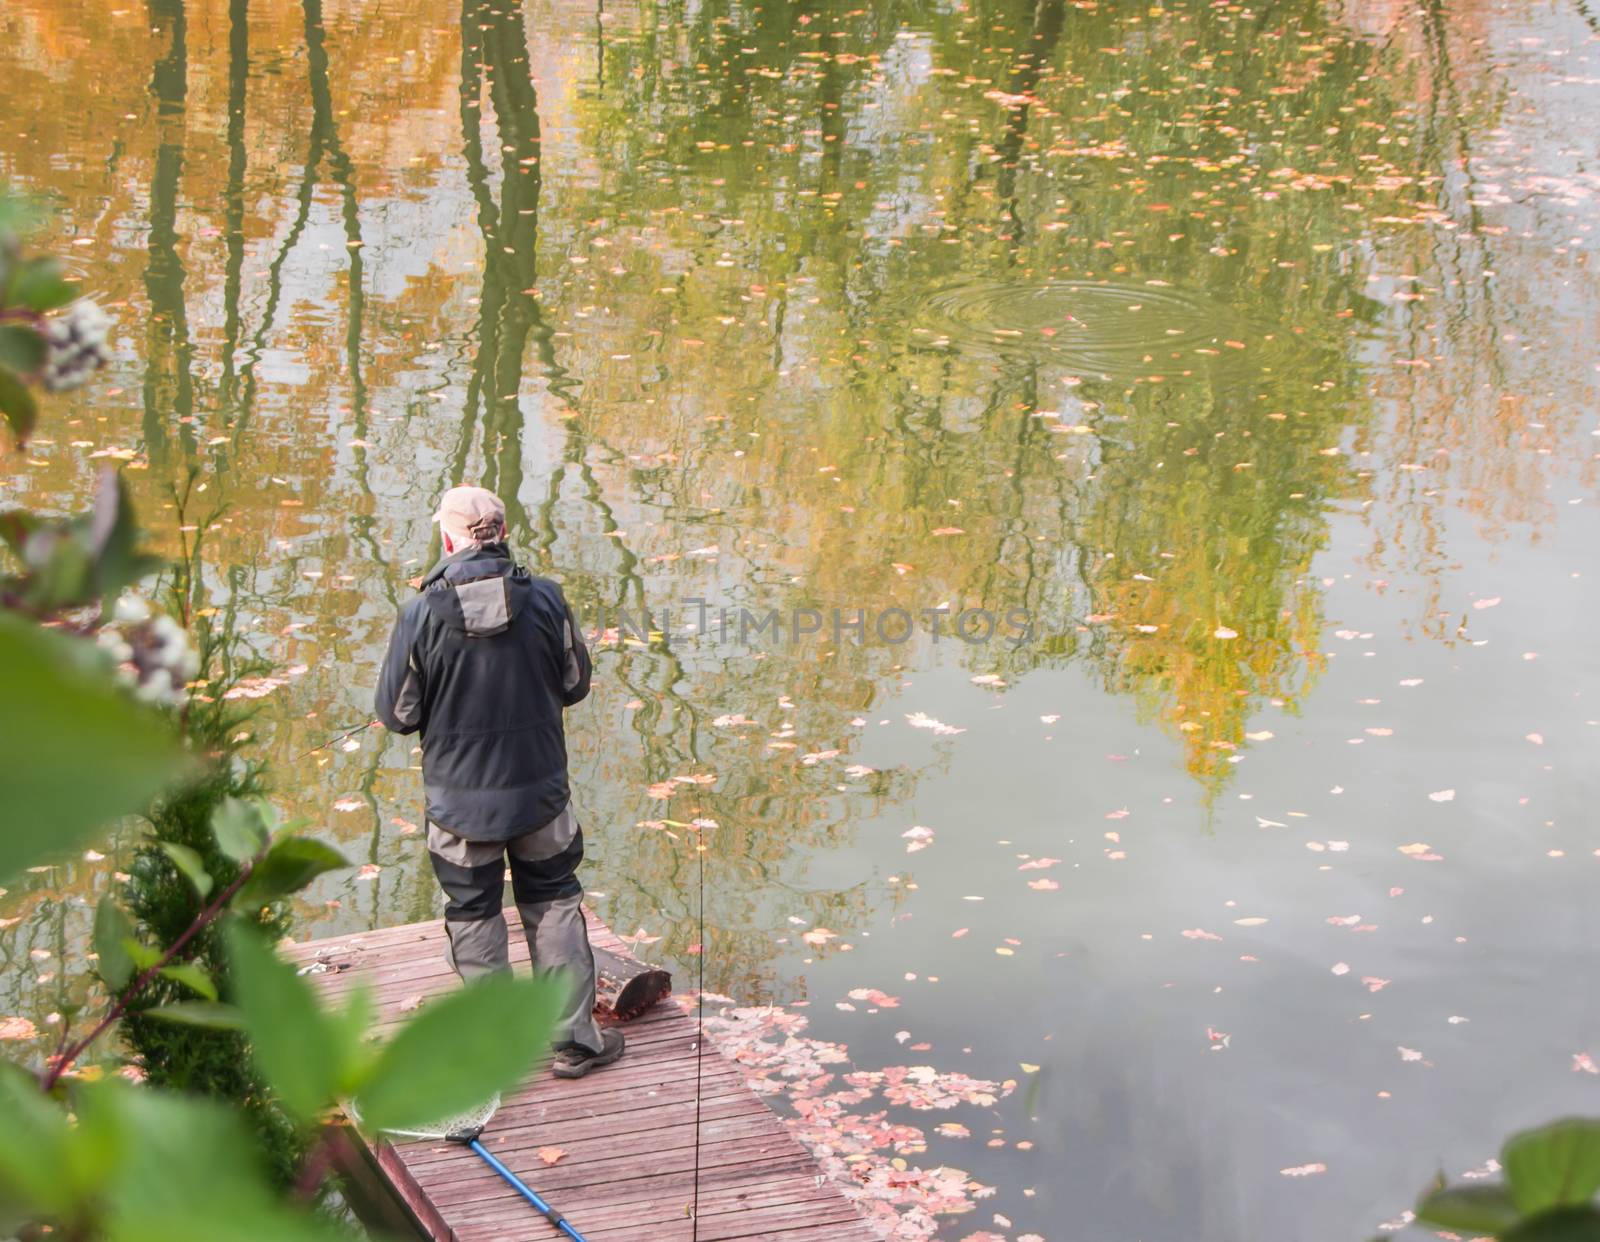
x=483, y=661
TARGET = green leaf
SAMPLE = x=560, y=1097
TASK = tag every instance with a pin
x=38, y=285
x=112, y=539
x=98, y=1145
x=22, y=348
x=141, y=954
x=33, y=1143
x=17, y=215
x=239, y=829
x=1477, y=1209
x=190, y=1173
x=111, y=927
x=354, y=1022
x=190, y=864
x=60, y=706
x=460, y=1050
x=210, y=1014
x=291, y=864
x=301, y=1053
x=1565, y=1225
x=78, y=560
x=192, y=977
x=17, y=404
x=1554, y=1166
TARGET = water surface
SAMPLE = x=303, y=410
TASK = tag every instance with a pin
x=1246, y=354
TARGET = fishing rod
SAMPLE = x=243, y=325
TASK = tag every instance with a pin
x=332, y=741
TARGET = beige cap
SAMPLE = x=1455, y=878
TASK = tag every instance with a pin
x=471, y=515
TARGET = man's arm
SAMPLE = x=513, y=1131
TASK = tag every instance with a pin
x=575, y=667
x=399, y=697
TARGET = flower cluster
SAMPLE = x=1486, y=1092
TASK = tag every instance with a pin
x=76, y=345
x=153, y=655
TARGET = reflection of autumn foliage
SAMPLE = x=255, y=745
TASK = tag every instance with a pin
x=668, y=289
x=878, y=448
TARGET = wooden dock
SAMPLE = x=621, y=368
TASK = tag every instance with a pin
x=627, y=1131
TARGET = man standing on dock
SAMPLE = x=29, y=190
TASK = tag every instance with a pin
x=483, y=661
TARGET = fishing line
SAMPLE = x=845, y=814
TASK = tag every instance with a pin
x=700, y=1023
x=334, y=740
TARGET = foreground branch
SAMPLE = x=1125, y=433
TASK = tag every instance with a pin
x=202, y=920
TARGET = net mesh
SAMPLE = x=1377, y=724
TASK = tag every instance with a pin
x=474, y=1119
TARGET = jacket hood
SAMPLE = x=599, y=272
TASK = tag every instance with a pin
x=477, y=591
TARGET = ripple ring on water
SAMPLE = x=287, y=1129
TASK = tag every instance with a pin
x=1100, y=325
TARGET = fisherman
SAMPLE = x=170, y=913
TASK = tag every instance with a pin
x=482, y=662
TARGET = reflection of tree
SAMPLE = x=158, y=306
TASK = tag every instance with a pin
x=238, y=162
x=168, y=382
x=494, y=54
x=1034, y=58
x=1197, y=504
x=1462, y=431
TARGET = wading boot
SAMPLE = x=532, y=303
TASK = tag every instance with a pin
x=574, y=1061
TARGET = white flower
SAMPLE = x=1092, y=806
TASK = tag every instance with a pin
x=75, y=341
x=156, y=687
x=131, y=609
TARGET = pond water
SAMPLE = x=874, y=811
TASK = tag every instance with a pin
x=1113, y=487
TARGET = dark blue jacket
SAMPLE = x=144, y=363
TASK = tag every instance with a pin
x=482, y=662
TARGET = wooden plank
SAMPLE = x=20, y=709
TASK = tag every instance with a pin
x=832, y=1222
x=614, y=1128
x=781, y=1192
x=409, y=1193
x=774, y=1151
x=628, y=1133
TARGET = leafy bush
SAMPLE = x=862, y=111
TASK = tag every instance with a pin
x=204, y=1001
x=162, y=895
